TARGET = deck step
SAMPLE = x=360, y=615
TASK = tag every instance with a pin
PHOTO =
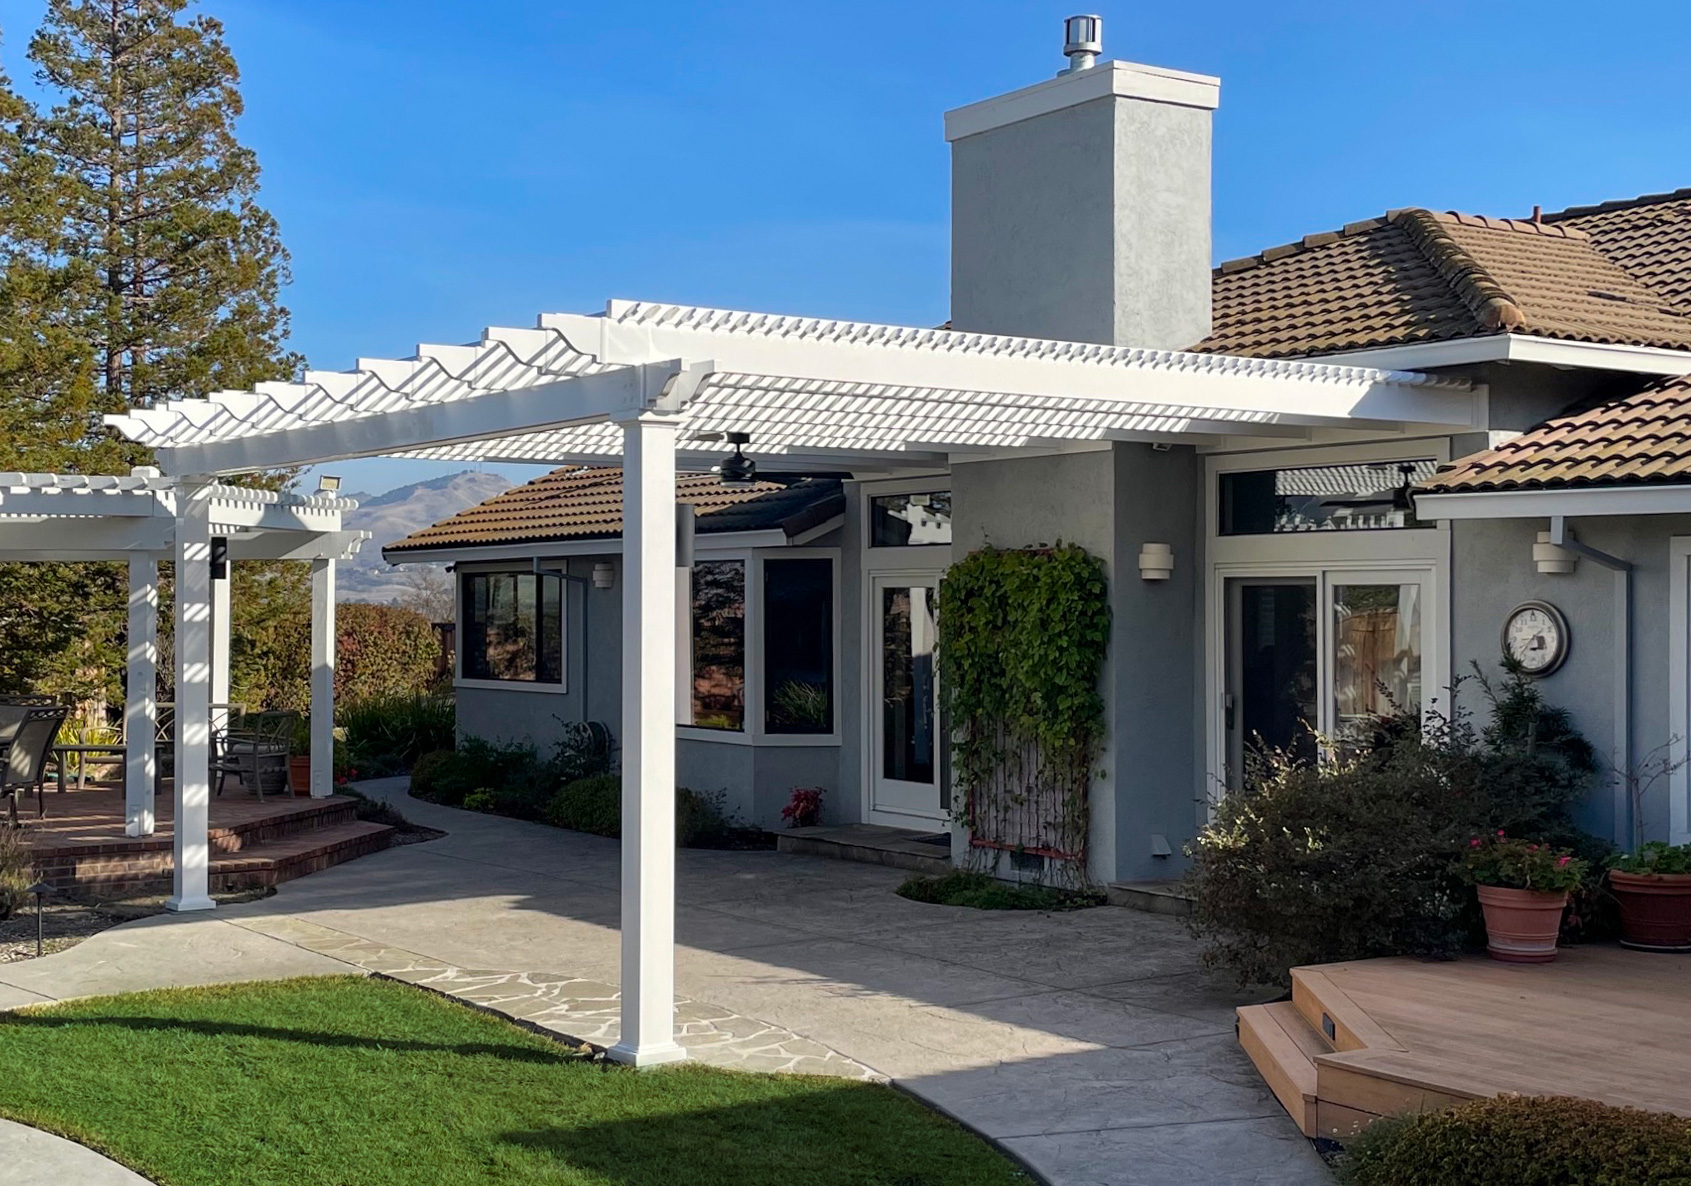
x=294, y=856
x=1283, y=1048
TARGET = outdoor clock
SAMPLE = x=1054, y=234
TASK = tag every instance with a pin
x=1535, y=635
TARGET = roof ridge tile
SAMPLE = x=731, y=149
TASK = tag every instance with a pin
x=1678, y=195
x=1479, y=289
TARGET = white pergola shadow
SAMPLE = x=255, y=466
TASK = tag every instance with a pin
x=656, y=386
x=143, y=519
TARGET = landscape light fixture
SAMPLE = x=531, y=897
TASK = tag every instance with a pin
x=40, y=889
x=328, y=484
x=737, y=469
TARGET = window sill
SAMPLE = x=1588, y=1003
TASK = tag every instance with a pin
x=773, y=740
x=510, y=685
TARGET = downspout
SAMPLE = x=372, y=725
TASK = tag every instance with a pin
x=542, y=569
x=1625, y=828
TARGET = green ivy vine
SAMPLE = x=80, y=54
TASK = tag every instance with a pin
x=1022, y=639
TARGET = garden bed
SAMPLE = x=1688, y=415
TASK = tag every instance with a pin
x=961, y=887
x=372, y=1083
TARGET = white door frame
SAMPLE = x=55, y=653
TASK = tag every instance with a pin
x=1679, y=694
x=873, y=718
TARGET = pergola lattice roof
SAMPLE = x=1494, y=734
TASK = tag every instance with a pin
x=808, y=390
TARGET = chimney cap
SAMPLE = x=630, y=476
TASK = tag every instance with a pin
x=1083, y=41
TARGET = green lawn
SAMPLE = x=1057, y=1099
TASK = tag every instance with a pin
x=343, y=1081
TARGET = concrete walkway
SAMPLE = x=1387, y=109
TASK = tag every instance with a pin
x=1088, y=1043
x=30, y=1157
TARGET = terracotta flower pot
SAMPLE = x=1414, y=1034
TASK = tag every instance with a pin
x=299, y=774
x=1655, y=909
x=1521, y=925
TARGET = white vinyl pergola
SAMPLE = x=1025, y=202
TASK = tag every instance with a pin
x=143, y=519
x=657, y=385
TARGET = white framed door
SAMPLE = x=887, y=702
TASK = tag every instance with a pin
x=1323, y=649
x=905, y=744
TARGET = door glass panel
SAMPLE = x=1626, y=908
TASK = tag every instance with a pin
x=1276, y=696
x=1376, y=655
x=907, y=684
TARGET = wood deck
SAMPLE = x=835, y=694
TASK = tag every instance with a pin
x=80, y=844
x=1383, y=1037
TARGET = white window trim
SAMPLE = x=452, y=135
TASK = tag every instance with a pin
x=1679, y=694
x=912, y=557
x=754, y=732
x=915, y=572
x=459, y=680
x=1317, y=554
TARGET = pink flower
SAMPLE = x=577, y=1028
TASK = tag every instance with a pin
x=1474, y=843
x=1500, y=831
x=1563, y=861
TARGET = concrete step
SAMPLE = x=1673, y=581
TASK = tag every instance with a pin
x=899, y=848
x=1283, y=1047
x=1153, y=897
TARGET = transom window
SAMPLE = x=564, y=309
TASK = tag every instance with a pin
x=513, y=627
x=910, y=520
x=1368, y=496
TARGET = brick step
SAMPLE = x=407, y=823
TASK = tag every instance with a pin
x=295, y=856
x=228, y=838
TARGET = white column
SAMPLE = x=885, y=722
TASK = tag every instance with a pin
x=140, y=703
x=648, y=743
x=322, y=678
x=193, y=701
x=220, y=633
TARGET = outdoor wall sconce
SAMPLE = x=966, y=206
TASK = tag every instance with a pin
x=1552, y=558
x=1156, y=562
x=604, y=574
x=737, y=469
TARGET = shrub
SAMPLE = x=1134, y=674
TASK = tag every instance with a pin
x=429, y=770
x=480, y=799
x=965, y=887
x=16, y=871
x=589, y=805
x=804, y=810
x=390, y=731
x=1362, y=856
x=383, y=650
x=1515, y=1141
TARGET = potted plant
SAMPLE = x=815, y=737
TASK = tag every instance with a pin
x=299, y=759
x=1523, y=889
x=1653, y=888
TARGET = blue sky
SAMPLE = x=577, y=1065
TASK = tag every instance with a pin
x=438, y=166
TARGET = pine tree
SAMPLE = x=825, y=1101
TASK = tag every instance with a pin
x=181, y=268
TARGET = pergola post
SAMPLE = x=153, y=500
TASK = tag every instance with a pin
x=648, y=743
x=140, y=702
x=192, y=879
x=322, y=678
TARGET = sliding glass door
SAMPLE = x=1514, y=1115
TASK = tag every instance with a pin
x=1322, y=655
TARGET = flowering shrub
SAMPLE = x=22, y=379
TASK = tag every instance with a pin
x=1512, y=863
x=1655, y=857
x=805, y=810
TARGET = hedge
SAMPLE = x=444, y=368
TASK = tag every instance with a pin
x=383, y=650
x=1519, y=1141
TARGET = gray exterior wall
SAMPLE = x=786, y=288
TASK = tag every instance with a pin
x=1088, y=224
x=1492, y=572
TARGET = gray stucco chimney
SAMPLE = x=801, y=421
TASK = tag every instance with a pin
x=1080, y=207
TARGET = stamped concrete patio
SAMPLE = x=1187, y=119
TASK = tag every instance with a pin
x=1088, y=1043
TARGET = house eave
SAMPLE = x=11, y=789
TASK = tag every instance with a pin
x=1582, y=502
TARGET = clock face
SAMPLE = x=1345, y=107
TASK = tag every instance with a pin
x=1536, y=637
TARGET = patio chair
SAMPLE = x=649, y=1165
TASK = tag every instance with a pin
x=26, y=759
x=257, y=753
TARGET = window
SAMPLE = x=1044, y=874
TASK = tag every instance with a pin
x=1370, y=496
x=798, y=646
x=719, y=644
x=513, y=627
x=910, y=520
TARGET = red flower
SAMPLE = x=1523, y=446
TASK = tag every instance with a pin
x=1500, y=831
x=1474, y=843
x=1562, y=861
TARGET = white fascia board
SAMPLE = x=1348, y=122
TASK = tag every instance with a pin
x=1129, y=80
x=1189, y=385
x=1544, y=504
x=577, y=400
x=74, y=504
x=715, y=541
x=1646, y=360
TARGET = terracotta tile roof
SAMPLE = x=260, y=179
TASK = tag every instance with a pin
x=1643, y=439
x=586, y=503
x=1417, y=276
x=1650, y=237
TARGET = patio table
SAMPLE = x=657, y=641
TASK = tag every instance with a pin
x=59, y=752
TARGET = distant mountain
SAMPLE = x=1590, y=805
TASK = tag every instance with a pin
x=395, y=515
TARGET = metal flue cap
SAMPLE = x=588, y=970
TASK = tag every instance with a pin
x=1083, y=41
